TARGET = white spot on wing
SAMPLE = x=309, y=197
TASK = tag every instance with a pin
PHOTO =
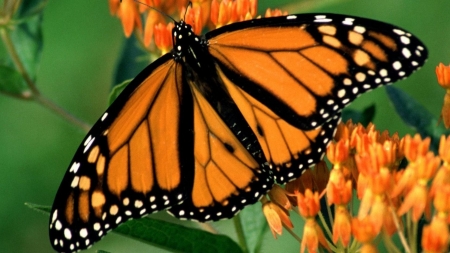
x=83, y=233
x=359, y=29
x=67, y=234
x=75, y=182
x=58, y=225
x=348, y=21
x=406, y=53
x=74, y=168
x=104, y=116
x=398, y=31
x=397, y=65
x=405, y=40
x=322, y=19
x=89, y=144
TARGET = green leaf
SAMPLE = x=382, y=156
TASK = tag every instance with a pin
x=254, y=225
x=30, y=8
x=131, y=61
x=27, y=40
x=102, y=251
x=364, y=117
x=12, y=83
x=116, y=90
x=176, y=237
x=416, y=116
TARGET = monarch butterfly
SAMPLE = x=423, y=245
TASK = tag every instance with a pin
x=208, y=128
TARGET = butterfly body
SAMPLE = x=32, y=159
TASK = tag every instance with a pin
x=208, y=128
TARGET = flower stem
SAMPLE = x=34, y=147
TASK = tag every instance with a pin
x=45, y=102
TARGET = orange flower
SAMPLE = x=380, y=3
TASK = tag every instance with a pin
x=163, y=37
x=153, y=18
x=129, y=15
x=315, y=179
x=415, y=200
x=363, y=230
x=194, y=17
x=276, y=217
x=308, y=204
x=275, y=13
x=338, y=152
x=405, y=183
x=342, y=226
x=445, y=112
x=339, y=190
x=441, y=200
x=444, y=148
x=443, y=75
x=227, y=12
x=114, y=6
x=222, y=12
x=426, y=166
x=343, y=130
x=312, y=236
x=279, y=196
x=441, y=181
x=435, y=236
x=378, y=213
x=415, y=146
x=373, y=167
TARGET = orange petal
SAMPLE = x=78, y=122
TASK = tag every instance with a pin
x=342, y=226
x=443, y=75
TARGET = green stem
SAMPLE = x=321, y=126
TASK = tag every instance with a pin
x=296, y=237
x=389, y=244
x=46, y=103
x=240, y=233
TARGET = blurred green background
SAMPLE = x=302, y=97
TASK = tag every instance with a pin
x=82, y=43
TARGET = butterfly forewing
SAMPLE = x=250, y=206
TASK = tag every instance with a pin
x=313, y=65
x=130, y=163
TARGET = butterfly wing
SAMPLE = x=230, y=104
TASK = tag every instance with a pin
x=291, y=75
x=227, y=176
x=130, y=163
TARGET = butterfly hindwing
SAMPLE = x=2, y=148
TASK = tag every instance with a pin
x=289, y=150
x=227, y=176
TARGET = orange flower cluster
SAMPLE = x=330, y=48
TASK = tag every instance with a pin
x=443, y=76
x=391, y=200
x=202, y=14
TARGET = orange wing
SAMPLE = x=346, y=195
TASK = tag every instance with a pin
x=130, y=163
x=227, y=176
x=288, y=149
x=291, y=77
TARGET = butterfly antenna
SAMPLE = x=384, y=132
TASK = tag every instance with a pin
x=153, y=8
x=188, y=6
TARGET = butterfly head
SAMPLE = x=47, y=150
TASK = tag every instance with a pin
x=184, y=38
